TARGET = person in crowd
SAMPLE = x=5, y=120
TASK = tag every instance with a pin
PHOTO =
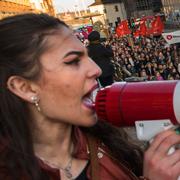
x=158, y=76
x=48, y=127
x=149, y=70
x=101, y=55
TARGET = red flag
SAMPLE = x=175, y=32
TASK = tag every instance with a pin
x=157, y=26
x=89, y=29
x=126, y=28
x=136, y=34
x=85, y=34
x=123, y=29
x=143, y=29
x=119, y=30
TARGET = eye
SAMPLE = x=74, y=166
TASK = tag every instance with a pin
x=73, y=62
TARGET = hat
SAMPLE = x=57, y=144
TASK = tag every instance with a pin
x=93, y=36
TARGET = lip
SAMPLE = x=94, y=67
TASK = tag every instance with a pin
x=93, y=90
x=96, y=86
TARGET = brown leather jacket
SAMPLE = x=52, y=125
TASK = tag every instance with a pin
x=102, y=165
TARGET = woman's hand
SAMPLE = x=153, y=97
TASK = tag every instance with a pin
x=158, y=163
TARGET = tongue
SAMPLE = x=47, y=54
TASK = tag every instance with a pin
x=88, y=102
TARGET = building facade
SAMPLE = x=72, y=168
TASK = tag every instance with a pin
x=75, y=19
x=111, y=12
x=138, y=8
x=171, y=9
x=12, y=7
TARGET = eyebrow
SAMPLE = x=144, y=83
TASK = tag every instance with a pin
x=79, y=53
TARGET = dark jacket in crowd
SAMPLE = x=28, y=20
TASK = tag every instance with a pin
x=101, y=55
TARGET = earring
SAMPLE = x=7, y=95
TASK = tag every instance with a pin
x=35, y=100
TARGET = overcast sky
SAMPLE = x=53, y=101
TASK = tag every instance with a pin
x=65, y=5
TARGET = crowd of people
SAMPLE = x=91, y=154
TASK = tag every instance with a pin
x=149, y=58
x=143, y=58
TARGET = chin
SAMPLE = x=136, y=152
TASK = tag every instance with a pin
x=90, y=122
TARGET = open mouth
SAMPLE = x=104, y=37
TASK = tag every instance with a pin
x=89, y=98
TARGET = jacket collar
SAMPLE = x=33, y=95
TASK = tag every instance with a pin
x=81, y=150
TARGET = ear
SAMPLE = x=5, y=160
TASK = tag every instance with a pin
x=22, y=88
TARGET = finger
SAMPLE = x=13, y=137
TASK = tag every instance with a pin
x=172, y=159
x=176, y=170
x=158, y=139
x=167, y=143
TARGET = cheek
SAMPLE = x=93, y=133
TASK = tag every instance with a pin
x=57, y=100
x=60, y=92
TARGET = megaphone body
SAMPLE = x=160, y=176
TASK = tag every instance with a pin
x=125, y=103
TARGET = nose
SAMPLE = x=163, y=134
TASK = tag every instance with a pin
x=94, y=70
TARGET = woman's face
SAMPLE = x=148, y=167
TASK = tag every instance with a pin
x=67, y=81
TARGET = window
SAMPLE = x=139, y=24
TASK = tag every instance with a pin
x=118, y=19
x=116, y=8
x=110, y=24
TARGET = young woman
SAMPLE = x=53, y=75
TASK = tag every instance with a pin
x=48, y=127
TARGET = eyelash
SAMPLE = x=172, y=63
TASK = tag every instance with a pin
x=73, y=62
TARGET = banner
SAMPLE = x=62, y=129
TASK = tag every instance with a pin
x=157, y=26
x=143, y=29
x=123, y=29
x=172, y=37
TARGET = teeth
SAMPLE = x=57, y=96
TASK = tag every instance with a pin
x=93, y=94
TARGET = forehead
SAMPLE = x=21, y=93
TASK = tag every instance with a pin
x=58, y=45
x=63, y=40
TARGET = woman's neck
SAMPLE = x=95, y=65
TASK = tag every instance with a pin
x=53, y=144
x=52, y=141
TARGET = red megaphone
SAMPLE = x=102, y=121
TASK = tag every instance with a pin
x=123, y=103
